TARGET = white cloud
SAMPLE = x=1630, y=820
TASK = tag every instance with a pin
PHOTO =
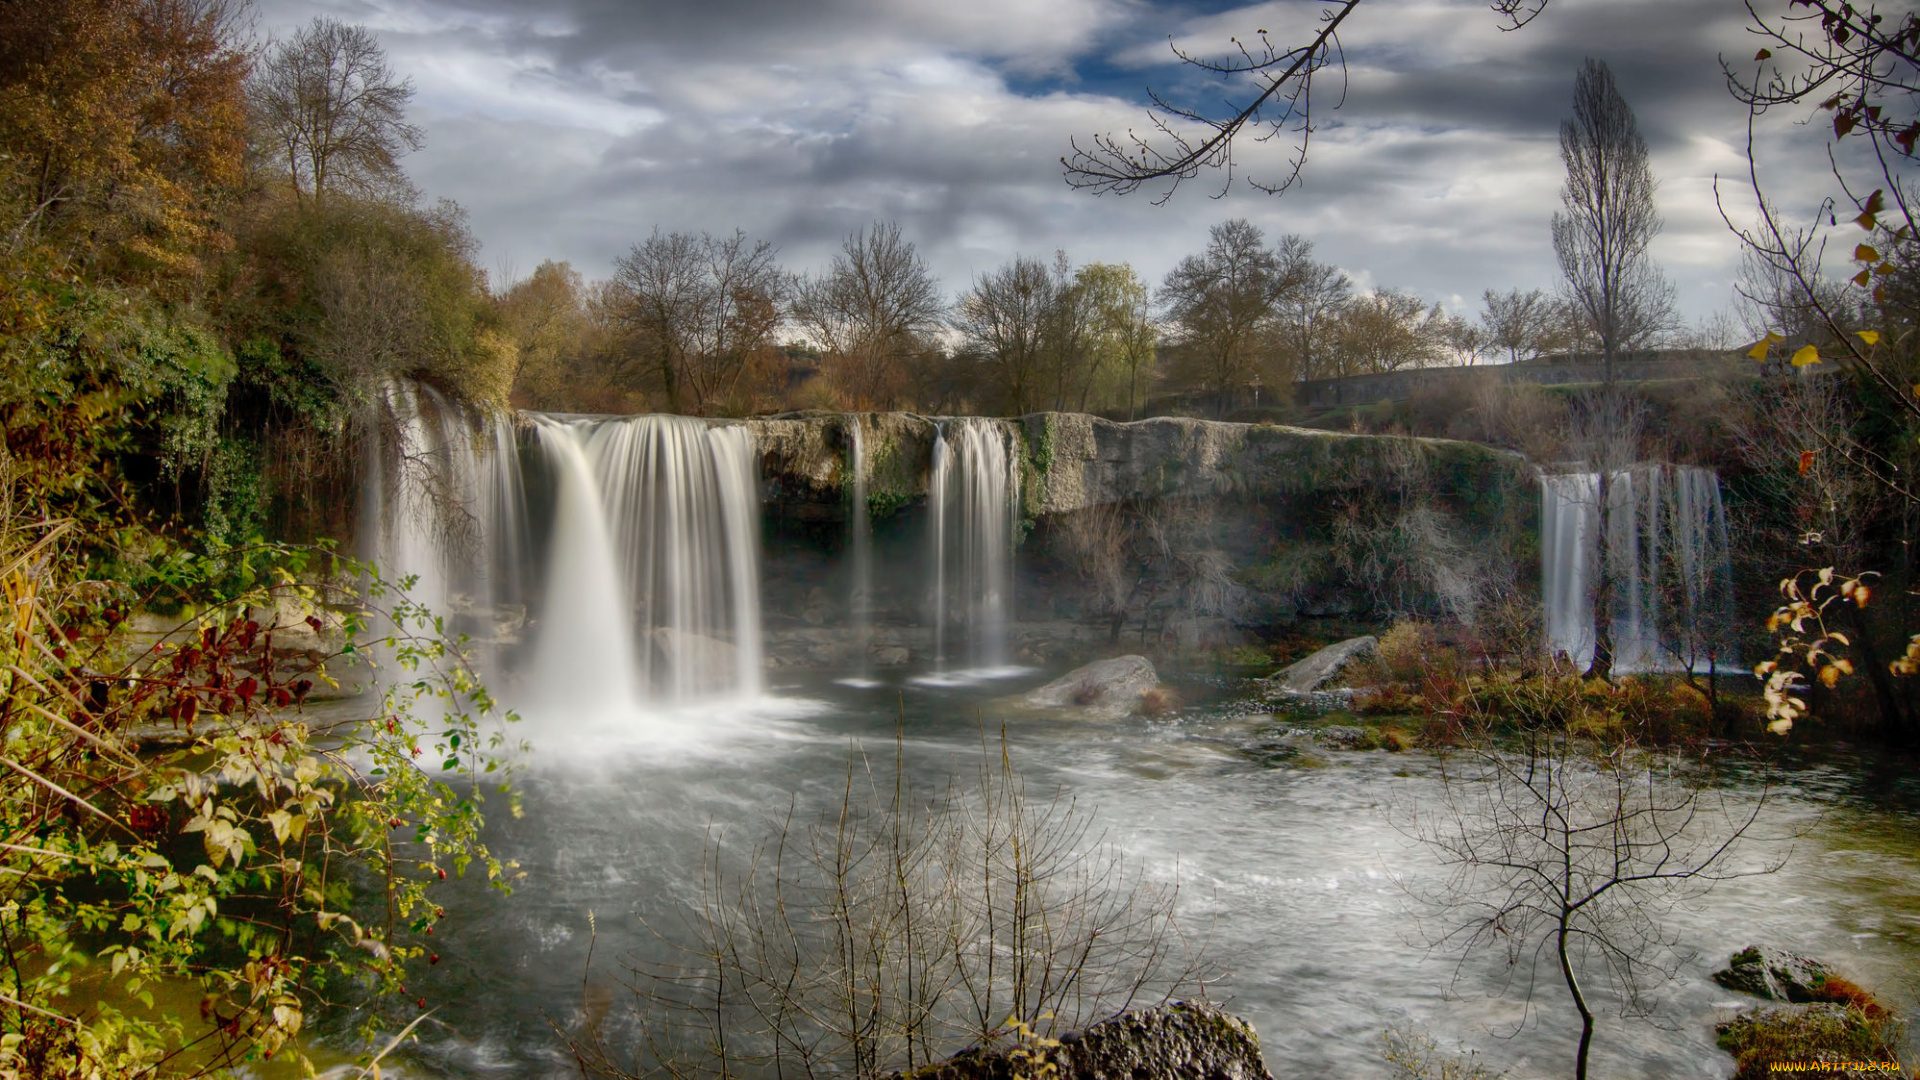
x=571, y=128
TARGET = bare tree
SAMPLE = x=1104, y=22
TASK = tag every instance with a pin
x=1276, y=103
x=1006, y=316
x=1607, y=431
x=1222, y=303
x=1388, y=330
x=1602, y=238
x=876, y=308
x=1558, y=847
x=1310, y=309
x=894, y=929
x=702, y=310
x=1521, y=323
x=334, y=112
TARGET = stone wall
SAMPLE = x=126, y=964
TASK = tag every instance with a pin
x=1547, y=371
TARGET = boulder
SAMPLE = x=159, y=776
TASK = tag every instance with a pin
x=888, y=655
x=1104, y=689
x=1317, y=670
x=1774, y=975
x=1181, y=1041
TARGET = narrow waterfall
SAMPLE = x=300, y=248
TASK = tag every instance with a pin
x=973, y=493
x=441, y=503
x=1667, y=564
x=860, y=525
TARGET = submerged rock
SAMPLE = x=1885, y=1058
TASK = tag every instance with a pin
x=1774, y=975
x=1314, y=672
x=1104, y=689
x=1181, y=1041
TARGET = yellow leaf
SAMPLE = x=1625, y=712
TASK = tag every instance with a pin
x=1871, y=337
x=1807, y=355
x=1759, y=350
x=1865, y=253
x=1780, y=726
x=1862, y=278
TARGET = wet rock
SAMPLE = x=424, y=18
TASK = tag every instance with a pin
x=889, y=655
x=1343, y=737
x=1104, y=689
x=1180, y=1041
x=1317, y=670
x=1773, y=974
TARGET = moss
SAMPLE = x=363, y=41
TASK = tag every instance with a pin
x=884, y=504
x=1824, y=1032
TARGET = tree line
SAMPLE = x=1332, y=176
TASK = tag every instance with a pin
x=699, y=323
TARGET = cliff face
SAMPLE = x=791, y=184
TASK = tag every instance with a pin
x=1074, y=461
x=1174, y=532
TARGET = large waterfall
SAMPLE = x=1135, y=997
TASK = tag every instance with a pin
x=1670, y=583
x=972, y=498
x=654, y=547
x=648, y=592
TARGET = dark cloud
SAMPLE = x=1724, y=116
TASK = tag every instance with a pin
x=572, y=128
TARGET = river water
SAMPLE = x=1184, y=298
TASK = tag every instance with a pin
x=1294, y=875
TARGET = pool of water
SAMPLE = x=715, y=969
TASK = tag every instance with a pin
x=1295, y=875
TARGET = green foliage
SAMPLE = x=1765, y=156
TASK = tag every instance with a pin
x=356, y=291
x=274, y=861
x=233, y=495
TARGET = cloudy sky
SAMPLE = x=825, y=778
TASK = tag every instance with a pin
x=572, y=128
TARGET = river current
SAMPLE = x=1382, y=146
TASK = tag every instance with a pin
x=1295, y=876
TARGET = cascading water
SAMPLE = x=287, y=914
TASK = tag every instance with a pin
x=655, y=529
x=1671, y=592
x=442, y=504
x=860, y=525
x=584, y=661
x=972, y=495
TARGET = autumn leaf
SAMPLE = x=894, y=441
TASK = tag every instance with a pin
x=1759, y=350
x=1807, y=355
x=1806, y=461
x=1865, y=253
x=1871, y=337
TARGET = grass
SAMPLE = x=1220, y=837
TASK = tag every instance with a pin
x=1847, y=1024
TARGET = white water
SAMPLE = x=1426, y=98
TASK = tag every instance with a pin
x=442, y=504
x=584, y=663
x=860, y=527
x=667, y=548
x=1667, y=561
x=972, y=496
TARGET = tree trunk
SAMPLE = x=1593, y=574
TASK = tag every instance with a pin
x=1893, y=721
x=1602, y=666
x=1579, y=1002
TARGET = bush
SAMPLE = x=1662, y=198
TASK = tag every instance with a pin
x=894, y=930
x=1823, y=1032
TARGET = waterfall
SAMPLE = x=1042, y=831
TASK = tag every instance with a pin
x=860, y=525
x=1667, y=563
x=973, y=493
x=648, y=593
x=584, y=660
x=676, y=513
x=441, y=503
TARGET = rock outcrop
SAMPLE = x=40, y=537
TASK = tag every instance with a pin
x=1317, y=670
x=1102, y=690
x=1181, y=1041
x=1774, y=975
